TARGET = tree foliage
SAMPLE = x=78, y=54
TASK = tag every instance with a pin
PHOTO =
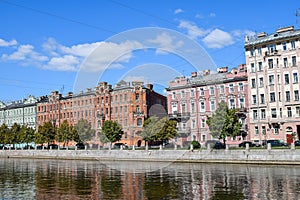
x=156, y=129
x=45, y=134
x=223, y=122
x=112, y=131
x=84, y=130
x=66, y=133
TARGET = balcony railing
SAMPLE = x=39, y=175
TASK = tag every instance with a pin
x=180, y=115
x=138, y=114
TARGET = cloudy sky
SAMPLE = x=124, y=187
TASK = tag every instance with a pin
x=53, y=45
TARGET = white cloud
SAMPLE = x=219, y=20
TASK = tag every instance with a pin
x=64, y=63
x=109, y=54
x=25, y=53
x=218, y=39
x=192, y=29
x=4, y=43
x=166, y=43
x=212, y=14
x=136, y=78
x=242, y=33
x=179, y=10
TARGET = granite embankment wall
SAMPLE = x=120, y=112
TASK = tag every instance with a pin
x=257, y=156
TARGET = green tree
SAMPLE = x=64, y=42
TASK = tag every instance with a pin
x=112, y=131
x=46, y=133
x=15, y=134
x=168, y=130
x=4, y=134
x=151, y=128
x=223, y=122
x=26, y=134
x=85, y=131
x=64, y=133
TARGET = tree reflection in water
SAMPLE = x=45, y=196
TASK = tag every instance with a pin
x=71, y=179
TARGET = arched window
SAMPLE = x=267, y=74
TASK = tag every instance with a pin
x=139, y=122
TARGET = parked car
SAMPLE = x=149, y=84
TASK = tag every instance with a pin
x=119, y=144
x=297, y=143
x=215, y=144
x=80, y=145
x=243, y=144
x=275, y=143
x=28, y=147
x=52, y=146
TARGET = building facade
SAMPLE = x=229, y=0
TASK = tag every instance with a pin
x=191, y=100
x=273, y=74
x=127, y=103
x=22, y=112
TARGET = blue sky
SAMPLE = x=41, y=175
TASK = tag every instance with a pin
x=44, y=45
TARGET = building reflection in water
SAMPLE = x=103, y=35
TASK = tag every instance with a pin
x=57, y=179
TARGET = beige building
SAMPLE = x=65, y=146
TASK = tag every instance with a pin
x=273, y=75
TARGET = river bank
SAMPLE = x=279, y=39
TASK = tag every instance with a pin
x=247, y=156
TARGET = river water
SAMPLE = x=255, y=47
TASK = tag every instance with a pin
x=74, y=179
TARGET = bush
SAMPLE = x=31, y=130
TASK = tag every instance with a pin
x=196, y=144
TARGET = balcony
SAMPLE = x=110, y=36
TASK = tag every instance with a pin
x=180, y=116
x=183, y=132
x=138, y=114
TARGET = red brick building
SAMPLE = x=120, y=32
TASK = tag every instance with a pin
x=127, y=103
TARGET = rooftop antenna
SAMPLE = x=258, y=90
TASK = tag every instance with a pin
x=62, y=89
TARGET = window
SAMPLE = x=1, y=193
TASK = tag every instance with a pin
x=283, y=46
x=252, y=67
x=272, y=97
x=241, y=87
x=294, y=61
x=183, y=108
x=295, y=77
x=251, y=52
x=192, y=92
x=173, y=95
x=231, y=88
x=139, y=122
x=271, y=79
x=280, y=112
x=273, y=113
x=260, y=66
x=293, y=45
x=272, y=48
x=222, y=89
x=193, y=107
x=201, y=91
x=202, y=123
x=298, y=111
x=116, y=98
x=263, y=113
x=137, y=109
x=242, y=103
x=193, y=123
x=253, y=84
x=261, y=82
x=137, y=97
x=202, y=106
x=285, y=62
x=254, y=99
x=212, y=90
x=256, y=130
x=270, y=63
x=182, y=94
x=296, y=95
x=262, y=98
x=254, y=114
x=289, y=111
x=259, y=50
x=287, y=96
x=263, y=130
x=279, y=96
x=212, y=106
x=232, y=104
x=286, y=79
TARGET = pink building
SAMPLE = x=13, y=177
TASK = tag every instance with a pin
x=192, y=99
x=273, y=74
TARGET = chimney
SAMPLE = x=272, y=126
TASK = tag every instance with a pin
x=194, y=74
x=70, y=94
x=284, y=29
x=206, y=72
x=246, y=39
x=150, y=86
x=88, y=89
x=222, y=70
x=262, y=34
